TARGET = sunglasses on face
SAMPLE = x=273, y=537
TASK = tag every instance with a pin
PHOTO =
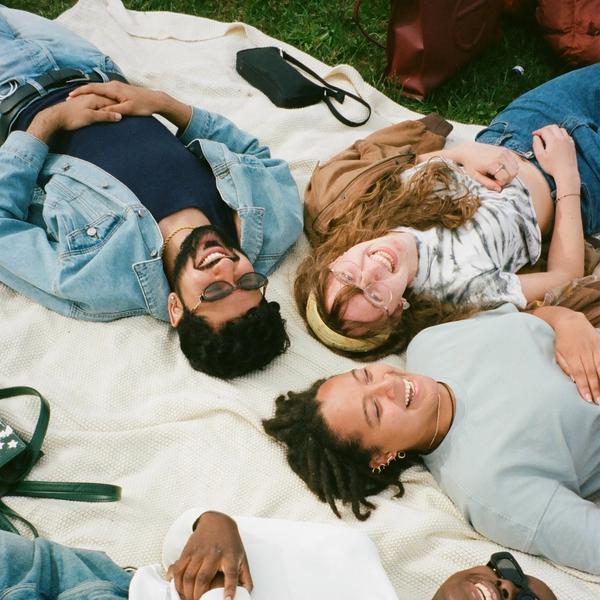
x=505, y=566
x=218, y=290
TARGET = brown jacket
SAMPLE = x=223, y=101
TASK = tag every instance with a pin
x=351, y=172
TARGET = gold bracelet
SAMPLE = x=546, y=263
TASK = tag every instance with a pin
x=565, y=196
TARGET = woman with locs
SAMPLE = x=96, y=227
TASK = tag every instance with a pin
x=483, y=404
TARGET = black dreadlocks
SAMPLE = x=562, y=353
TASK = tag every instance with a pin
x=332, y=468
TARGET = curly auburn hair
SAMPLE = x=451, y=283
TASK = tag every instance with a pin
x=332, y=468
x=240, y=346
x=432, y=196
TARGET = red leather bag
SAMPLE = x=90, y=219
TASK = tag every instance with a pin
x=429, y=40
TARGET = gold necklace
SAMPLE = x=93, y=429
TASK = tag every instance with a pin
x=437, y=424
x=171, y=236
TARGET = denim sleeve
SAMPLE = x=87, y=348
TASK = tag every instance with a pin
x=211, y=126
x=23, y=244
x=22, y=157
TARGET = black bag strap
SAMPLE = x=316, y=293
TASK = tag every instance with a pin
x=356, y=17
x=15, y=486
x=331, y=91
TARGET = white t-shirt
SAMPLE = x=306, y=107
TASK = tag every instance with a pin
x=476, y=263
x=288, y=559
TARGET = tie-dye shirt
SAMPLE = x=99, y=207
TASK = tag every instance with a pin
x=476, y=263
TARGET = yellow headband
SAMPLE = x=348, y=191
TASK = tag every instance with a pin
x=332, y=338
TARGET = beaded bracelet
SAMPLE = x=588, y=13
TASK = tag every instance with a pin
x=565, y=196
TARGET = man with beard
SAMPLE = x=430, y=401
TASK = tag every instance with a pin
x=105, y=214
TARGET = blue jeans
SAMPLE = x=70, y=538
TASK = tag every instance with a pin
x=34, y=569
x=31, y=46
x=572, y=101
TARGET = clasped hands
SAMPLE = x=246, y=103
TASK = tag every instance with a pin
x=107, y=102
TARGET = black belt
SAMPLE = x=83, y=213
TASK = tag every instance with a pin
x=11, y=107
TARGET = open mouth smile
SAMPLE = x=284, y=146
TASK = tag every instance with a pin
x=485, y=591
x=384, y=257
x=212, y=256
x=409, y=392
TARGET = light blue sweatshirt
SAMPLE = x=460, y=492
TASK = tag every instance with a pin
x=522, y=457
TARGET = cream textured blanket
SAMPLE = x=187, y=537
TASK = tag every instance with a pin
x=127, y=408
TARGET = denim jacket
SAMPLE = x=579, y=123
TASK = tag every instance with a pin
x=78, y=241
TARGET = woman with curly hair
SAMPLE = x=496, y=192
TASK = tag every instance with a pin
x=447, y=236
x=502, y=429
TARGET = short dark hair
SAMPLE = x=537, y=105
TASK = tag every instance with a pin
x=331, y=468
x=241, y=345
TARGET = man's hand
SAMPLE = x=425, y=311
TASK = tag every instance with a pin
x=72, y=115
x=130, y=100
x=213, y=548
x=577, y=348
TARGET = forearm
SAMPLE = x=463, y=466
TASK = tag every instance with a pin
x=460, y=153
x=557, y=316
x=444, y=153
x=173, y=110
x=44, y=125
x=566, y=251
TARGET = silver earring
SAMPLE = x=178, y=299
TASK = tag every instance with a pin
x=401, y=455
x=405, y=304
x=377, y=469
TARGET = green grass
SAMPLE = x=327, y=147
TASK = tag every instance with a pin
x=326, y=31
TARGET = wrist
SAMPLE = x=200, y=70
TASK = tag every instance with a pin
x=570, y=182
x=568, y=319
x=45, y=124
x=572, y=197
x=207, y=514
x=175, y=111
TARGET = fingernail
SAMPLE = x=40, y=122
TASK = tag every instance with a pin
x=118, y=116
x=597, y=400
x=588, y=397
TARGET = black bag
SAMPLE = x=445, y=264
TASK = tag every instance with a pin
x=18, y=457
x=267, y=70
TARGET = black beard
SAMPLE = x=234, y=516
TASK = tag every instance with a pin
x=193, y=241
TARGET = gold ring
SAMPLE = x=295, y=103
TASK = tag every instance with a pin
x=502, y=166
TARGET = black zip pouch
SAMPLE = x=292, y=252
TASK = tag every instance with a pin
x=270, y=70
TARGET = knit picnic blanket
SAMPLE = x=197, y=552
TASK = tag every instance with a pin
x=128, y=409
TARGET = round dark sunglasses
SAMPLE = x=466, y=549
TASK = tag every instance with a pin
x=218, y=290
x=505, y=565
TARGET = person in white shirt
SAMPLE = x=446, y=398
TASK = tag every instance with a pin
x=208, y=557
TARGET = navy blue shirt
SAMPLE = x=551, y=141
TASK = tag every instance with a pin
x=146, y=157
